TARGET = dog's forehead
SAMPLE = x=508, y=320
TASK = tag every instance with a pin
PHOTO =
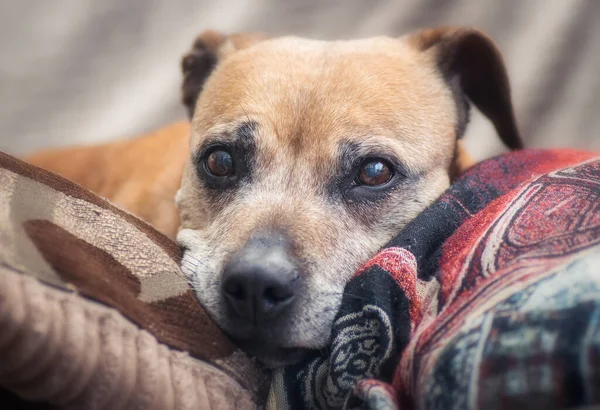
x=315, y=93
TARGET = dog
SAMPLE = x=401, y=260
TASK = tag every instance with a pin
x=301, y=160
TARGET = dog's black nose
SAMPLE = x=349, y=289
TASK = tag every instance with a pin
x=259, y=281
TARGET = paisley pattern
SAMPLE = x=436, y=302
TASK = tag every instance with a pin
x=491, y=296
x=363, y=342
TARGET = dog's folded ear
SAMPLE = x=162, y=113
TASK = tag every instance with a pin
x=474, y=68
x=208, y=49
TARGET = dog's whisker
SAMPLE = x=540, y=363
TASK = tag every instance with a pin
x=244, y=111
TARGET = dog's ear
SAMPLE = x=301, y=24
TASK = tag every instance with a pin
x=208, y=49
x=474, y=68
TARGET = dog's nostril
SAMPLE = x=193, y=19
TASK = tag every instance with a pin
x=235, y=289
x=256, y=294
x=277, y=294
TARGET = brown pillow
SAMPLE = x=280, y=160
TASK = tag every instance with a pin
x=95, y=313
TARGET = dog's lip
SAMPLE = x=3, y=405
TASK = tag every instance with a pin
x=272, y=355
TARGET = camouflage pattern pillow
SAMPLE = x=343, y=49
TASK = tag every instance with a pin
x=95, y=313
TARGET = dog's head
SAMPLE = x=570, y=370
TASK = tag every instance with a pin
x=308, y=156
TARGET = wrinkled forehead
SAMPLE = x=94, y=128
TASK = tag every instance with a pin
x=308, y=96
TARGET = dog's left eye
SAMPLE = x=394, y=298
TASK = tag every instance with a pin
x=220, y=163
x=374, y=172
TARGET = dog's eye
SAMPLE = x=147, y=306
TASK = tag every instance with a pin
x=374, y=172
x=220, y=163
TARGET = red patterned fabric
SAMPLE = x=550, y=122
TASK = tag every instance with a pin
x=490, y=299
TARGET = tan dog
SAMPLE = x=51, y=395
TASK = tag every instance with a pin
x=305, y=158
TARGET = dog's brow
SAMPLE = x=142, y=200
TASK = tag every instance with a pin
x=241, y=134
x=246, y=130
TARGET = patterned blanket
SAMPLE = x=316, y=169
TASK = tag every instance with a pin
x=490, y=299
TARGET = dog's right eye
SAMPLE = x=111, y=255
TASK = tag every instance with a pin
x=220, y=163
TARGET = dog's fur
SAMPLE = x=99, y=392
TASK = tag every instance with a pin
x=141, y=175
x=303, y=114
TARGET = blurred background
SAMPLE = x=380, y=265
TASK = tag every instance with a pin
x=84, y=71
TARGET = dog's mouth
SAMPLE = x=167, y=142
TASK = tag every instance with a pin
x=272, y=355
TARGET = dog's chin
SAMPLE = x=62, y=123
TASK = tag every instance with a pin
x=271, y=355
